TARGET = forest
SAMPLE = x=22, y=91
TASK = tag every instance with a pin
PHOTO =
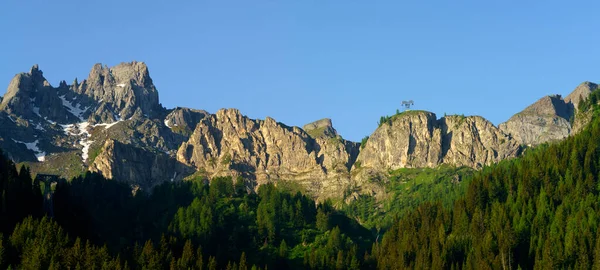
x=539, y=211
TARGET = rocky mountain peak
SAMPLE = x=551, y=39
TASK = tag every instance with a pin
x=320, y=128
x=580, y=93
x=549, y=105
x=125, y=87
x=550, y=118
x=35, y=69
x=30, y=95
x=545, y=120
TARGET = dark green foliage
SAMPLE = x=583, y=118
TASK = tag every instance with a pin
x=363, y=142
x=19, y=195
x=590, y=102
x=406, y=189
x=384, y=120
x=539, y=211
x=168, y=228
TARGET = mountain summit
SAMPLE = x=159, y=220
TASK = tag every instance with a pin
x=551, y=118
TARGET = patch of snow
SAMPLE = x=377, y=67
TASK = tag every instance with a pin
x=38, y=126
x=11, y=119
x=86, y=148
x=75, y=110
x=107, y=126
x=35, y=109
x=121, y=85
x=167, y=123
x=33, y=146
x=49, y=121
x=80, y=129
x=76, y=129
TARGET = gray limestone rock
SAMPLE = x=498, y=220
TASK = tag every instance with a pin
x=545, y=120
x=580, y=93
x=125, y=87
x=320, y=128
x=228, y=143
x=137, y=167
x=417, y=139
x=551, y=118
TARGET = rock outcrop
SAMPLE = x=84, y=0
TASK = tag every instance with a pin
x=31, y=96
x=545, y=120
x=320, y=128
x=120, y=90
x=137, y=167
x=264, y=150
x=580, y=93
x=184, y=120
x=416, y=139
x=549, y=119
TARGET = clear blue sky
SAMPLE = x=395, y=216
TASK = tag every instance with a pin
x=299, y=61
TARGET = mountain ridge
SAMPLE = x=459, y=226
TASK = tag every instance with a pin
x=112, y=123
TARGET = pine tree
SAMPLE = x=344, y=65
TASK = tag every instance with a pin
x=212, y=263
x=187, y=256
x=283, y=249
x=243, y=265
x=1, y=250
x=199, y=259
x=322, y=220
x=339, y=263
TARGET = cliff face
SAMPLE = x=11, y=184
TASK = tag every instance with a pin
x=545, y=120
x=136, y=166
x=263, y=151
x=412, y=139
x=418, y=139
x=474, y=142
x=121, y=90
x=551, y=118
x=31, y=96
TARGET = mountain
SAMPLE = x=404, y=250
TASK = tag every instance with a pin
x=549, y=119
x=65, y=128
x=112, y=123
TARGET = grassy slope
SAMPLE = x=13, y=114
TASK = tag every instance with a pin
x=406, y=189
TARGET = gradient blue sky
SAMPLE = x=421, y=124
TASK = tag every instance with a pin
x=299, y=61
